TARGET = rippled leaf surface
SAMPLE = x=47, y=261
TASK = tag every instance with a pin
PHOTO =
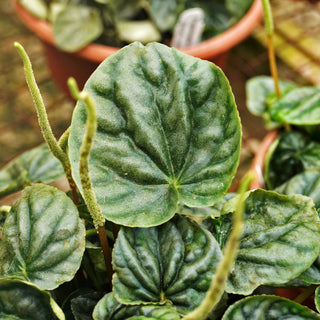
x=268, y=308
x=172, y=262
x=300, y=106
x=294, y=154
x=108, y=308
x=44, y=237
x=272, y=250
x=35, y=165
x=20, y=300
x=168, y=131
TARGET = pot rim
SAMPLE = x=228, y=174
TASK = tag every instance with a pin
x=257, y=165
x=204, y=50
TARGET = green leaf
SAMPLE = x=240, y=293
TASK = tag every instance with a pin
x=20, y=300
x=306, y=183
x=258, y=90
x=317, y=298
x=238, y=8
x=76, y=26
x=271, y=246
x=44, y=236
x=173, y=262
x=35, y=165
x=168, y=131
x=294, y=154
x=108, y=308
x=300, y=106
x=269, y=308
x=38, y=8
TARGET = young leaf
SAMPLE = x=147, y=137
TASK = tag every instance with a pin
x=44, y=236
x=173, y=262
x=168, y=131
x=35, y=165
x=20, y=300
x=108, y=308
x=294, y=154
x=271, y=244
x=300, y=106
x=76, y=26
x=268, y=307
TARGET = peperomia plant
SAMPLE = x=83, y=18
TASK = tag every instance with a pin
x=118, y=23
x=154, y=142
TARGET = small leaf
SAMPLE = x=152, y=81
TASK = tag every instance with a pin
x=76, y=26
x=294, y=154
x=38, y=8
x=173, y=262
x=271, y=244
x=300, y=106
x=45, y=237
x=20, y=300
x=168, y=132
x=317, y=298
x=269, y=308
x=35, y=165
x=108, y=308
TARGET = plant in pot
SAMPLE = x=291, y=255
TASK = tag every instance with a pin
x=288, y=161
x=95, y=29
x=153, y=144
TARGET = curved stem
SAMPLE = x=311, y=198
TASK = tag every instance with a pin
x=88, y=194
x=220, y=278
x=45, y=127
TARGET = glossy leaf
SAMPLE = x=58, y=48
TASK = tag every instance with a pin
x=268, y=308
x=271, y=244
x=76, y=26
x=300, y=106
x=108, y=308
x=294, y=154
x=258, y=90
x=168, y=132
x=20, y=300
x=306, y=183
x=35, y=165
x=173, y=262
x=44, y=236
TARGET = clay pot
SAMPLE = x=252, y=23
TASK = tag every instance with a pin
x=81, y=64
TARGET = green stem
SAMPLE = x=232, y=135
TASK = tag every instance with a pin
x=305, y=294
x=43, y=119
x=88, y=194
x=220, y=278
x=63, y=141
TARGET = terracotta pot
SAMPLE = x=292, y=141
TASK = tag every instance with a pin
x=81, y=64
x=258, y=160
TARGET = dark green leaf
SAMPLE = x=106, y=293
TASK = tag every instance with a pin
x=238, y=8
x=20, y=300
x=173, y=262
x=294, y=154
x=271, y=246
x=268, y=308
x=168, y=131
x=76, y=26
x=35, y=165
x=45, y=237
x=300, y=106
x=108, y=308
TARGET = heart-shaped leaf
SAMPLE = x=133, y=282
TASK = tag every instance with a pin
x=35, y=165
x=269, y=308
x=76, y=26
x=294, y=154
x=168, y=131
x=173, y=262
x=44, y=236
x=20, y=300
x=108, y=308
x=300, y=106
x=271, y=245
